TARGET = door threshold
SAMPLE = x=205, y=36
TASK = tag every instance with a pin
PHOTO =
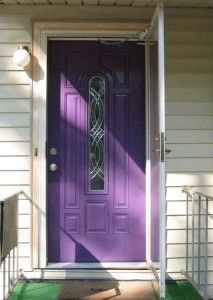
x=94, y=274
x=89, y=274
x=99, y=265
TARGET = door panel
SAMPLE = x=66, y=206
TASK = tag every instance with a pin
x=96, y=121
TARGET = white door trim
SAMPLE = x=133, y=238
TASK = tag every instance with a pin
x=42, y=31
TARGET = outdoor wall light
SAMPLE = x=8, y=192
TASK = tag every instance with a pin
x=21, y=56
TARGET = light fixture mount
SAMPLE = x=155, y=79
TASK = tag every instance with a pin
x=22, y=47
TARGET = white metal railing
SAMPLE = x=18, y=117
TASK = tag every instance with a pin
x=9, y=261
x=9, y=273
x=197, y=242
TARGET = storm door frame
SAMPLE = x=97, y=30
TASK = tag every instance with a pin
x=155, y=34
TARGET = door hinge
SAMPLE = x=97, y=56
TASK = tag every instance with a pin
x=46, y=154
x=162, y=147
x=35, y=152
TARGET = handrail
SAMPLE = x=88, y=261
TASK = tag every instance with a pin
x=15, y=194
x=197, y=193
x=199, y=210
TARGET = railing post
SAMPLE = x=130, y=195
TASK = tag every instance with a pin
x=187, y=233
x=8, y=274
x=206, y=247
x=13, y=264
x=199, y=244
x=193, y=237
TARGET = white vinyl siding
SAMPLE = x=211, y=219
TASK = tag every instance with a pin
x=189, y=127
x=189, y=120
x=15, y=126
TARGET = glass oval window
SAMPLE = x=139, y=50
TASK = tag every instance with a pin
x=97, y=88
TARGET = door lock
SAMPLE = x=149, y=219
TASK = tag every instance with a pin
x=53, y=167
x=53, y=151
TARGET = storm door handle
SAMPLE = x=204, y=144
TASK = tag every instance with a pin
x=167, y=151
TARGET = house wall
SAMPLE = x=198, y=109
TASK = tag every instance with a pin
x=189, y=109
x=189, y=124
x=15, y=125
x=16, y=100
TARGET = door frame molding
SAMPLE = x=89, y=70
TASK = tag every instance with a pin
x=42, y=32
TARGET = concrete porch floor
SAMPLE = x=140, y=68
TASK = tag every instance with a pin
x=100, y=289
x=107, y=290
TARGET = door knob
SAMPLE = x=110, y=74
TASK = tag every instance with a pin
x=53, y=167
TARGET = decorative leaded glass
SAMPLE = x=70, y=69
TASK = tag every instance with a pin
x=96, y=133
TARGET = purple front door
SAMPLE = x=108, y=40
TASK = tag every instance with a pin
x=96, y=138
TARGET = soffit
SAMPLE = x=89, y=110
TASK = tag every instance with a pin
x=121, y=3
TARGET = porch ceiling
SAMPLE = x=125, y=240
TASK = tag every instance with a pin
x=127, y=3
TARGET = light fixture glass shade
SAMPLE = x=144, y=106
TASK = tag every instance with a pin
x=21, y=56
